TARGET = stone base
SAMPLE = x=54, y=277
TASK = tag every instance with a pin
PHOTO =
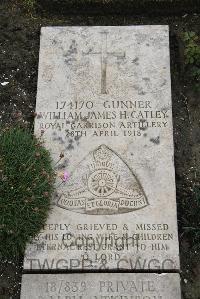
x=101, y=286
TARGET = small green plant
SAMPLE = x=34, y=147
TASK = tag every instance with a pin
x=192, y=54
x=29, y=4
x=26, y=187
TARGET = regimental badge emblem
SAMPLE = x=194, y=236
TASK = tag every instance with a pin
x=102, y=184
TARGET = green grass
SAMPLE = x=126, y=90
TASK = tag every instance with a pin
x=192, y=57
x=26, y=187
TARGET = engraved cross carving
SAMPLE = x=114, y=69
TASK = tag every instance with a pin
x=104, y=59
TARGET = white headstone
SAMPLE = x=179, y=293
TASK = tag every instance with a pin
x=104, y=101
x=101, y=286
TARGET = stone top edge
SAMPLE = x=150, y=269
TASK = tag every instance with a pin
x=164, y=27
x=175, y=274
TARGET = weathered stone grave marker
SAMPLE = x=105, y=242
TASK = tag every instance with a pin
x=101, y=286
x=104, y=101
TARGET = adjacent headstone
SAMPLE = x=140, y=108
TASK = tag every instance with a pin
x=101, y=286
x=104, y=102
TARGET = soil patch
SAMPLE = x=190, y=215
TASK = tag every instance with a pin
x=19, y=53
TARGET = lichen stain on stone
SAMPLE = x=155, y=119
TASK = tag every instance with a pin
x=143, y=128
x=135, y=61
x=72, y=49
x=139, y=89
x=69, y=147
x=155, y=140
x=85, y=120
x=146, y=79
x=59, y=139
x=76, y=138
x=62, y=165
x=141, y=92
x=70, y=54
x=70, y=60
x=164, y=83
